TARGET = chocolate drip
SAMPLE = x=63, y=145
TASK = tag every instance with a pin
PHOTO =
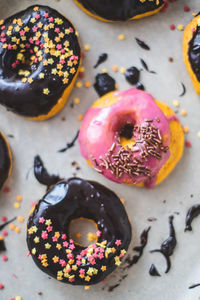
x=70, y=144
x=104, y=84
x=132, y=75
x=102, y=58
x=168, y=246
x=42, y=174
x=153, y=271
x=142, y=44
x=192, y=213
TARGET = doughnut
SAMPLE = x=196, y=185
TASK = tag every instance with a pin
x=129, y=137
x=191, y=51
x=5, y=159
x=120, y=10
x=40, y=58
x=48, y=236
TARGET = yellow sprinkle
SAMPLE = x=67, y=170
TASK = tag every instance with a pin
x=1, y=238
x=87, y=84
x=76, y=100
x=12, y=226
x=87, y=287
x=122, y=200
x=36, y=240
x=198, y=134
x=47, y=246
x=17, y=230
x=104, y=70
x=183, y=112
x=46, y=91
x=80, y=117
x=82, y=69
x=87, y=47
x=180, y=27
x=87, y=278
x=115, y=68
x=176, y=103
x=79, y=84
x=19, y=198
x=18, y=298
x=122, y=70
x=103, y=268
x=16, y=205
x=186, y=129
x=121, y=37
x=20, y=219
x=78, y=235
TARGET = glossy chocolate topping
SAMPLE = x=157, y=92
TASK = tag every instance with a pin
x=5, y=160
x=120, y=10
x=194, y=53
x=64, y=202
x=39, y=57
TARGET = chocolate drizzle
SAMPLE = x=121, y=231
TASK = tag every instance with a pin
x=120, y=10
x=194, y=286
x=42, y=174
x=142, y=44
x=153, y=271
x=70, y=144
x=5, y=160
x=33, y=80
x=102, y=58
x=132, y=75
x=168, y=246
x=184, y=90
x=2, y=226
x=104, y=84
x=194, y=53
x=192, y=213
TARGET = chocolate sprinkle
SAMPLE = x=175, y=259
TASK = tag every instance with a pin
x=70, y=144
x=104, y=84
x=168, y=246
x=192, y=213
x=142, y=44
x=184, y=90
x=102, y=58
x=153, y=271
x=42, y=174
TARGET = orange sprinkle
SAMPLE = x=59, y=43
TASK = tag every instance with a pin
x=87, y=84
x=80, y=117
x=20, y=219
x=115, y=68
x=19, y=198
x=12, y=226
x=17, y=230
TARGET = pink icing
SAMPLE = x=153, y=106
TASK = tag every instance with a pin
x=100, y=126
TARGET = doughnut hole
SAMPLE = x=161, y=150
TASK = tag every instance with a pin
x=83, y=231
x=125, y=130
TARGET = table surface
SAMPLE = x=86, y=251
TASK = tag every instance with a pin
x=180, y=190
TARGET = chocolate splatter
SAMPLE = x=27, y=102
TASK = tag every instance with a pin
x=102, y=58
x=2, y=226
x=152, y=219
x=168, y=246
x=142, y=44
x=70, y=144
x=2, y=245
x=145, y=66
x=153, y=271
x=104, y=84
x=10, y=136
x=192, y=213
x=41, y=173
x=130, y=261
x=194, y=286
x=184, y=90
x=132, y=75
x=140, y=86
x=112, y=287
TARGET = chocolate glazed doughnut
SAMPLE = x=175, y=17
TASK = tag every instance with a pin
x=120, y=10
x=39, y=62
x=5, y=160
x=50, y=245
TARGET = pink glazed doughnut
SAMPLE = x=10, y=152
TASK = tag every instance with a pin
x=130, y=138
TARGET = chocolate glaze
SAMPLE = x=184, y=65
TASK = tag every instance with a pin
x=5, y=160
x=153, y=271
x=42, y=174
x=142, y=44
x=132, y=75
x=119, y=10
x=104, y=84
x=168, y=246
x=194, y=53
x=70, y=144
x=102, y=58
x=192, y=213
x=24, y=98
x=2, y=226
x=62, y=204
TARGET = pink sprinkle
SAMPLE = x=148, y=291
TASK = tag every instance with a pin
x=83, y=252
x=37, y=42
x=78, y=262
x=31, y=40
x=3, y=27
x=118, y=242
x=62, y=262
x=71, y=29
x=41, y=220
x=71, y=241
x=22, y=33
x=51, y=19
x=62, y=61
x=71, y=279
x=101, y=249
x=27, y=45
x=35, y=60
x=4, y=258
x=9, y=47
x=55, y=239
x=37, y=16
x=98, y=233
x=188, y=144
x=79, y=257
x=46, y=15
x=49, y=228
x=65, y=244
x=59, y=46
x=35, y=28
x=42, y=46
x=82, y=271
x=121, y=255
x=100, y=256
x=62, y=51
x=57, y=30
x=92, y=261
x=40, y=257
x=71, y=247
x=28, y=254
x=193, y=29
x=3, y=40
x=81, y=75
x=172, y=27
x=64, y=236
x=70, y=256
x=1, y=286
x=186, y=8
x=44, y=235
x=3, y=34
x=71, y=57
x=5, y=233
x=12, y=298
x=31, y=51
x=4, y=219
